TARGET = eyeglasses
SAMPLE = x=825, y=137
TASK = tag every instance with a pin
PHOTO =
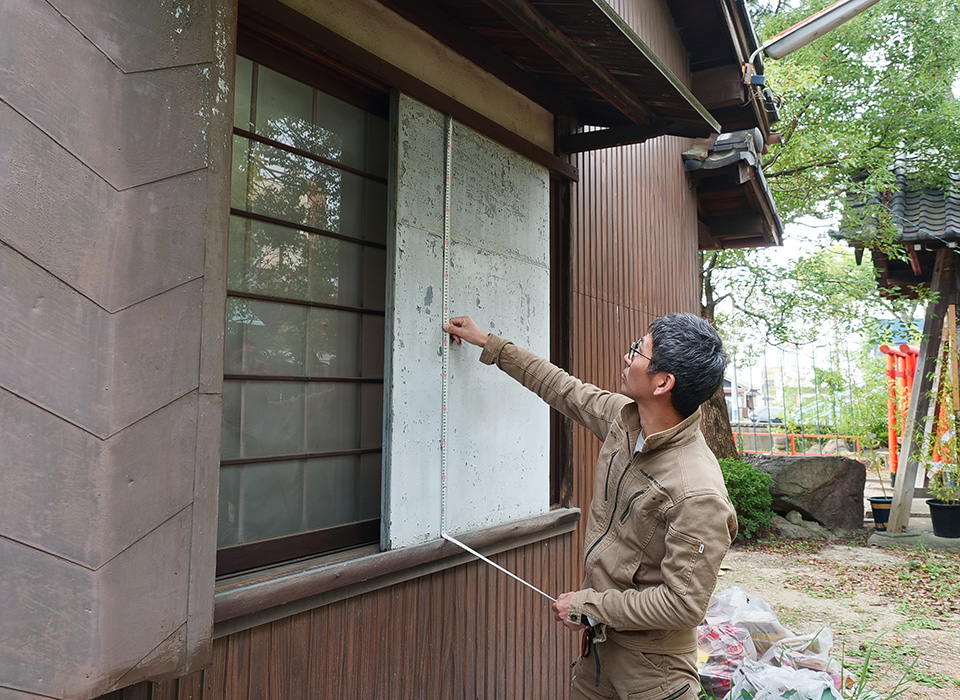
x=635, y=350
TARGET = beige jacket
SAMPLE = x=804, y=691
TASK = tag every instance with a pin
x=660, y=521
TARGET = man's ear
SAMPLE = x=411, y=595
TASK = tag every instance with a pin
x=665, y=383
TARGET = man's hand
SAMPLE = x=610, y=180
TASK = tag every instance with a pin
x=561, y=611
x=464, y=327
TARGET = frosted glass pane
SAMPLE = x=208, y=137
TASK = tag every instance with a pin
x=230, y=424
x=293, y=188
x=271, y=500
x=272, y=418
x=372, y=345
x=334, y=338
x=363, y=209
x=332, y=495
x=268, y=259
x=377, y=145
x=374, y=279
x=239, y=173
x=332, y=416
x=371, y=468
x=228, y=520
x=335, y=271
x=363, y=137
x=284, y=110
x=243, y=89
x=265, y=337
x=374, y=225
x=371, y=415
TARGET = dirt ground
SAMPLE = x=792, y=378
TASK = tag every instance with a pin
x=887, y=602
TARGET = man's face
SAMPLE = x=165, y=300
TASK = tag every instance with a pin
x=635, y=383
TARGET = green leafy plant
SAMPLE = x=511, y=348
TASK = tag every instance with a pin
x=749, y=490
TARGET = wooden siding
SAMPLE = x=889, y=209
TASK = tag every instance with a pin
x=112, y=224
x=464, y=633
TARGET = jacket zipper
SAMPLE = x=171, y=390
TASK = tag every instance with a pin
x=606, y=486
x=613, y=511
x=626, y=511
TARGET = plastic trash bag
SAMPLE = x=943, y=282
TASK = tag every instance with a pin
x=756, y=681
x=803, y=651
x=734, y=607
x=721, y=649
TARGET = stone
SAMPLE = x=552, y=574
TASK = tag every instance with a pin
x=825, y=488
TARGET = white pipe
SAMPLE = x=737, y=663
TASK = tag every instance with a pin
x=812, y=27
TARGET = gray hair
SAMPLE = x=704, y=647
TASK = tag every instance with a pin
x=689, y=348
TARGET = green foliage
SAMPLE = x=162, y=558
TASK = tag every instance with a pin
x=749, y=490
x=875, y=88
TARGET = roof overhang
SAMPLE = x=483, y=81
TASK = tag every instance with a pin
x=719, y=38
x=735, y=207
x=576, y=58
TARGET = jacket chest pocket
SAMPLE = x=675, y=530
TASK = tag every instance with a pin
x=638, y=514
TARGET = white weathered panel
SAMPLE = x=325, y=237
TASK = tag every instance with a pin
x=413, y=395
x=498, y=433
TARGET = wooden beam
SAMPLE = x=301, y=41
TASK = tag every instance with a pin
x=944, y=287
x=719, y=87
x=571, y=56
x=607, y=138
x=433, y=20
x=286, y=27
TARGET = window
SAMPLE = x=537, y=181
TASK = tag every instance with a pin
x=302, y=431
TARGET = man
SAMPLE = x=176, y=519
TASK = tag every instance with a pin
x=660, y=521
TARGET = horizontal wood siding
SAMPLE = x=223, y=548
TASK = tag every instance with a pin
x=468, y=632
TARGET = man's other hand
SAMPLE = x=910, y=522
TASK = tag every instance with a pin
x=465, y=328
x=561, y=611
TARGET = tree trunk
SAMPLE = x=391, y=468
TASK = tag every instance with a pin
x=716, y=427
x=715, y=422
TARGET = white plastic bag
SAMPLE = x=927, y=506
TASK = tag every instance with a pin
x=720, y=650
x=734, y=607
x=803, y=651
x=757, y=681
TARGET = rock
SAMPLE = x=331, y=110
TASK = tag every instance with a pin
x=795, y=527
x=836, y=446
x=825, y=488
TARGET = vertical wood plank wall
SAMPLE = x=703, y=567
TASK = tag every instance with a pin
x=465, y=633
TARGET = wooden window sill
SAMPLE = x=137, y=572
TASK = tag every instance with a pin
x=255, y=598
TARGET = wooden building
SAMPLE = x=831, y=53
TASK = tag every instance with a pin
x=233, y=436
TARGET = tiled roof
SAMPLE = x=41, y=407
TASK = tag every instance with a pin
x=922, y=214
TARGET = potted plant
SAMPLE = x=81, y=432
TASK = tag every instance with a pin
x=944, y=507
x=880, y=505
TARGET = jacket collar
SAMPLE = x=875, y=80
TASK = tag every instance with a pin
x=682, y=432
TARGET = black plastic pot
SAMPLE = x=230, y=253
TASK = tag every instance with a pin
x=880, y=505
x=945, y=518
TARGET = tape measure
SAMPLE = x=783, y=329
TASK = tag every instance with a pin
x=445, y=363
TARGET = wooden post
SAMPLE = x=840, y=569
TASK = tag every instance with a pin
x=944, y=287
